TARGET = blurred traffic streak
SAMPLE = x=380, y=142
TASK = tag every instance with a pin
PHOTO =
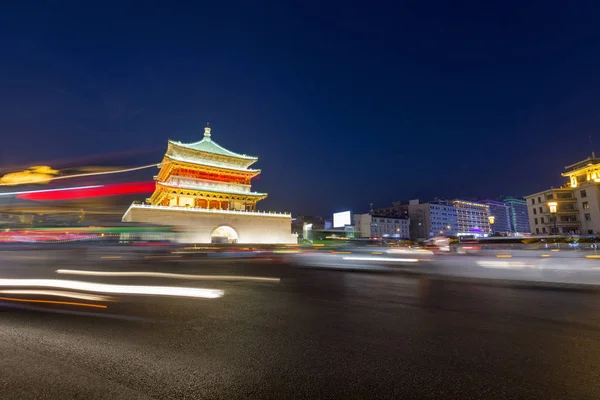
x=114, y=289
x=147, y=259
x=368, y=258
x=168, y=275
x=89, y=192
x=381, y=259
x=54, y=302
x=58, y=293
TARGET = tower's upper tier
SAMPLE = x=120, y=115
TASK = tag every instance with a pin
x=207, y=150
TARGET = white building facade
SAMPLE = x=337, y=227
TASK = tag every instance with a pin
x=374, y=226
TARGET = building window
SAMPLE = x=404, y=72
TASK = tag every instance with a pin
x=537, y=230
x=590, y=231
x=532, y=201
x=541, y=210
x=534, y=211
x=539, y=199
x=587, y=216
x=535, y=220
x=585, y=205
x=583, y=193
x=549, y=196
x=544, y=230
x=542, y=220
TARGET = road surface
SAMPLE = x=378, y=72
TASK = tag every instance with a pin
x=313, y=334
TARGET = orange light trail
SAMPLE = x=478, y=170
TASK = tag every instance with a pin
x=117, y=171
x=59, y=293
x=69, y=303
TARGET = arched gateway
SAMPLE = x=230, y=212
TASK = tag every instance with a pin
x=224, y=234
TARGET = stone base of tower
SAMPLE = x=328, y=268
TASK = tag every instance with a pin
x=216, y=226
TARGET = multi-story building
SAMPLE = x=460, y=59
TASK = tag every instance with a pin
x=432, y=219
x=473, y=218
x=567, y=216
x=519, y=220
x=577, y=202
x=500, y=212
x=584, y=178
x=381, y=226
x=362, y=224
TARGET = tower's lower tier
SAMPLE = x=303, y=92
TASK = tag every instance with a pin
x=216, y=226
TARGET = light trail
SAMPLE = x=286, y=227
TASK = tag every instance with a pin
x=85, y=192
x=504, y=264
x=49, y=190
x=408, y=260
x=117, y=171
x=409, y=251
x=59, y=293
x=114, y=289
x=169, y=275
x=69, y=303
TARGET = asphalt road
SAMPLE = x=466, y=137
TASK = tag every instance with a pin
x=315, y=334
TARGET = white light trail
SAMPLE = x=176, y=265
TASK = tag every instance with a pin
x=409, y=251
x=59, y=293
x=114, y=289
x=408, y=260
x=504, y=264
x=49, y=190
x=169, y=275
x=117, y=171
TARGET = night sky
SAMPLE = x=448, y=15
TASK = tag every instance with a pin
x=344, y=103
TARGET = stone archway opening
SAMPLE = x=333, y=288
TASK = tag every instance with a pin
x=224, y=234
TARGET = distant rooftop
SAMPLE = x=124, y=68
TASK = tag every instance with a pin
x=495, y=202
x=389, y=217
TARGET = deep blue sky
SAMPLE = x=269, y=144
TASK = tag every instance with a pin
x=344, y=103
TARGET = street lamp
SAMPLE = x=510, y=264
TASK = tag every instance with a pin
x=553, y=206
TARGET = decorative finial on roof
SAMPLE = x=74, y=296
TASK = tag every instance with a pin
x=207, y=131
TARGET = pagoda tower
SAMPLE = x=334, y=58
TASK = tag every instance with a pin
x=205, y=175
x=205, y=191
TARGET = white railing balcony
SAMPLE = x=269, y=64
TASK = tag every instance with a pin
x=210, y=210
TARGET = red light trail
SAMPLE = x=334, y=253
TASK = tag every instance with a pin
x=116, y=189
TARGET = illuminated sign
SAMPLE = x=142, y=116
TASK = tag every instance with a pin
x=341, y=219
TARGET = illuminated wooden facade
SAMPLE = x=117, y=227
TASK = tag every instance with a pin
x=205, y=175
x=205, y=191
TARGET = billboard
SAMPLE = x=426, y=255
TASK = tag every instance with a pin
x=341, y=219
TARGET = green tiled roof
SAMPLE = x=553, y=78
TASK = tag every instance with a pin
x=209, y=146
